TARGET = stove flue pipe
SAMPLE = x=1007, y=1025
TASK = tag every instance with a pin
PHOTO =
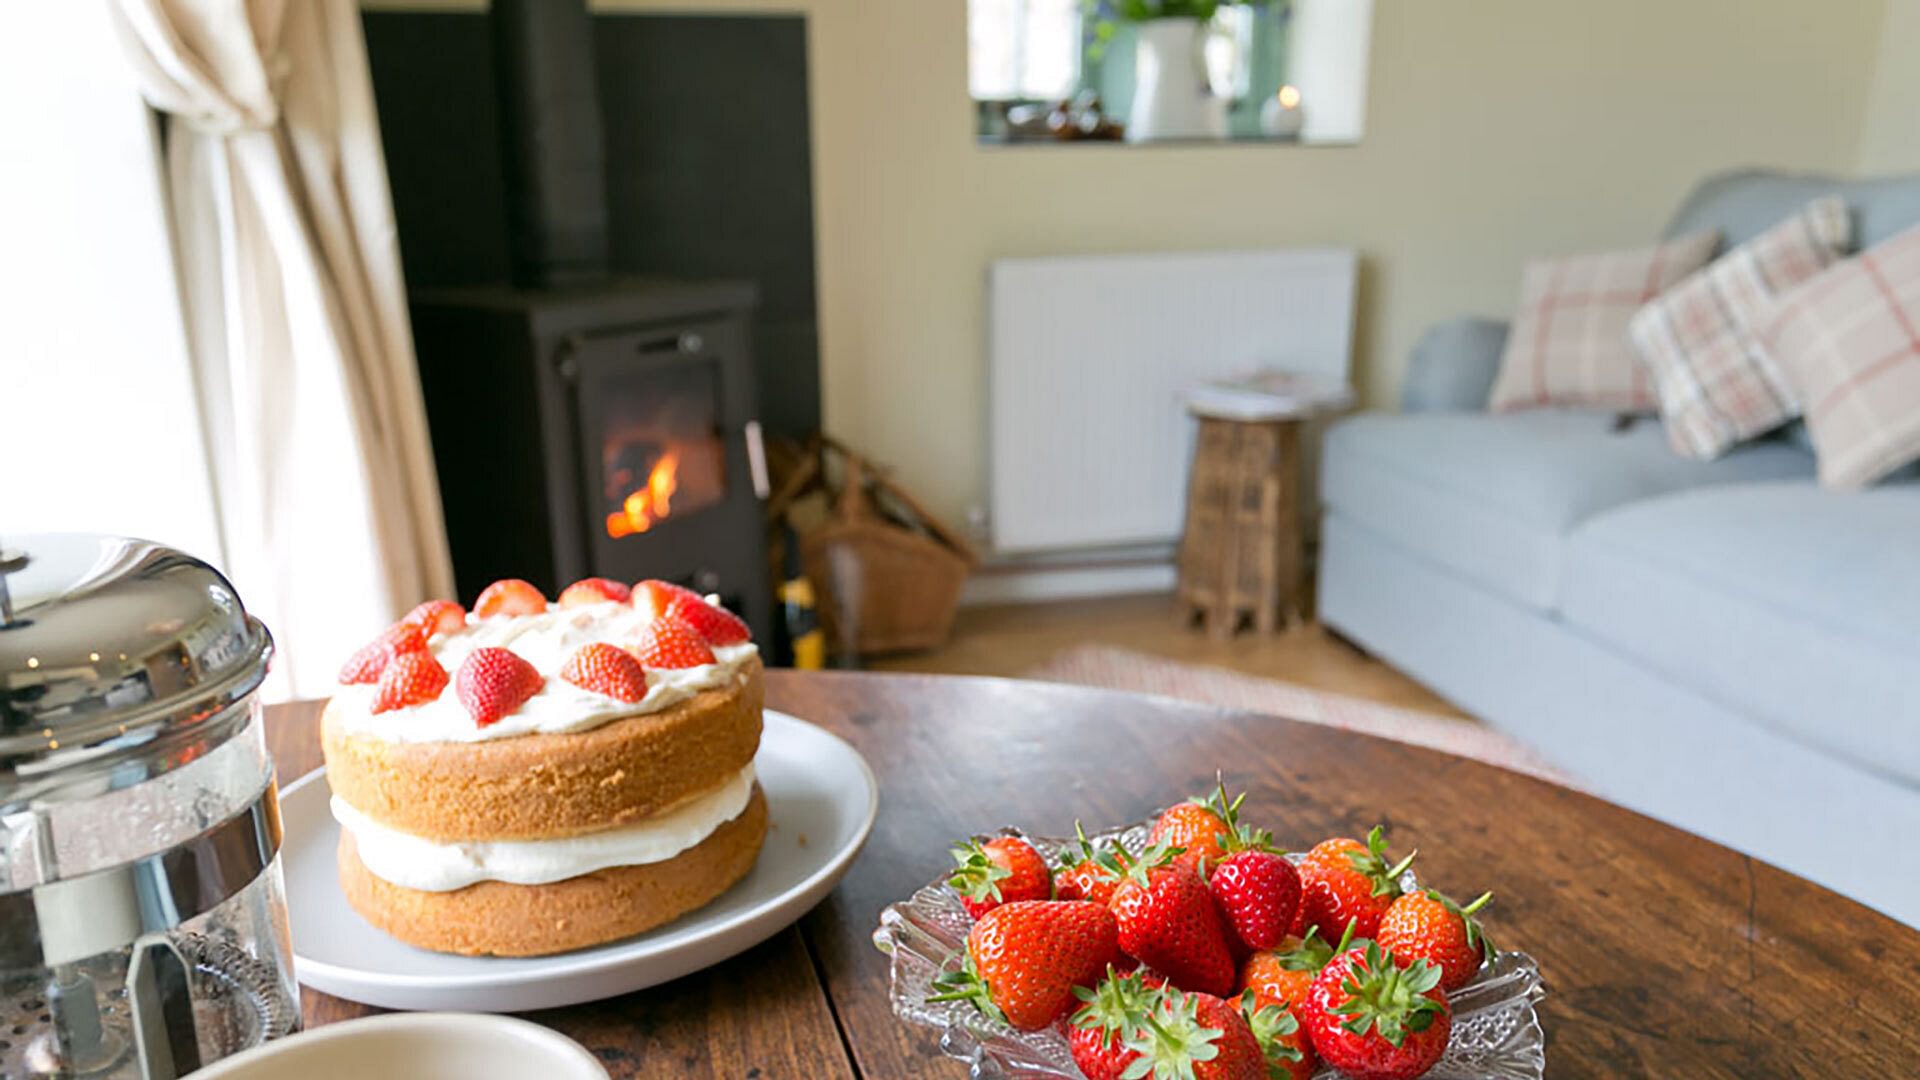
x=551, y=140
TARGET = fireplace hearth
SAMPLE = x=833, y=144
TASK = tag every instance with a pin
x=602, y=431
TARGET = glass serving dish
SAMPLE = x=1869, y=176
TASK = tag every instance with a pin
x=1496, y=1026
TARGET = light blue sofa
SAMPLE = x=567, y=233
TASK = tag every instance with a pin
x=1724, y=645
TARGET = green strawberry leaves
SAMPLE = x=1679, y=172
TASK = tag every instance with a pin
x=1139, y=870
x=1476, y=933
x=1238, y=837
x=1171, y=1040
x=967, y=985
x=975, y=875
x=1386, y=998
x=1311, y=954
x=1373, y=863
x=1271, y=1024
x=1117, y=1008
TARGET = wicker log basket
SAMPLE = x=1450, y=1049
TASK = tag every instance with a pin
x=887, y=572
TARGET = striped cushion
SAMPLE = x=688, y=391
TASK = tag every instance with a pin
x=1717, y=385
x=1849, y=342
x=1569, y=343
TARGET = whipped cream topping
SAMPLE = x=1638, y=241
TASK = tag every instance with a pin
x=414, y=862
x=547, y=641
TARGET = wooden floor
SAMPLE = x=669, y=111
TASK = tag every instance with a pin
x=1011, y=641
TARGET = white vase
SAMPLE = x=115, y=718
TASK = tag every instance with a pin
x=1172, y=98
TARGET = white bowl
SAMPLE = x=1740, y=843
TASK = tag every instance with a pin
x=416, y=1046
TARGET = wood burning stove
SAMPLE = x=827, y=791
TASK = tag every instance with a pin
x=584, y=425
x=608, y=431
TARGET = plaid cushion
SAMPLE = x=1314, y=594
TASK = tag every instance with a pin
x=1849, y=342
x=1717, y=384
x=1569, y=343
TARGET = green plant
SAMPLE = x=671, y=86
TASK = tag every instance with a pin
x=1102, y=18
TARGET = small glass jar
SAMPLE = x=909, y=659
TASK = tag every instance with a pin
x=143, y=926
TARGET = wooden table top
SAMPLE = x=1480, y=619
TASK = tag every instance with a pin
x=1664, y=954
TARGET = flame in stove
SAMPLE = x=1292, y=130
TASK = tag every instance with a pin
x=650, y=502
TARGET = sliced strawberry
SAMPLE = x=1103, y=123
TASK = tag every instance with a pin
x=606, y=669
x=365, y=666
x=437, y=617
x=509, y=597
x=413, y=678
x=594, y=590
x=657, y=598
x=669, y=643
x=715, y=624
x=493, y=682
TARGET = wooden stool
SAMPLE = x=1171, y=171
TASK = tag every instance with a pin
x=1241, y=552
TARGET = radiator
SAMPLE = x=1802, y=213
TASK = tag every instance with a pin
x=1088, y=442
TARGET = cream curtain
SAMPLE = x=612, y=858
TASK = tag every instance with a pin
x=290, y=269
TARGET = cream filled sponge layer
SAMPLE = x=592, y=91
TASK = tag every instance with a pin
x=417, y=863
x=493, y=918
x=546, y=786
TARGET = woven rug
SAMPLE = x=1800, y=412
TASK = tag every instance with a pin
x=1123, y=669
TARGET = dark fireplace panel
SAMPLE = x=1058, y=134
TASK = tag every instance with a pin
x=599, y=432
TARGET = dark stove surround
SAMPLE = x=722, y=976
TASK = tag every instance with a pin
x=586, y=425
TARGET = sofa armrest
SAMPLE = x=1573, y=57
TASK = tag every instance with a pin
x=1453, y=366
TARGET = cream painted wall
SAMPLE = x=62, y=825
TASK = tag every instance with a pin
x=1890, y=135
x=1497, y=130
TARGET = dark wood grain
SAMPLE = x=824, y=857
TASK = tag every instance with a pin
x=1665, y=955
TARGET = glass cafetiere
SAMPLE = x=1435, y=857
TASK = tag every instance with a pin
x=143, y=924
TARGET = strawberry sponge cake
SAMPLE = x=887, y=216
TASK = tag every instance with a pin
x=530, y=778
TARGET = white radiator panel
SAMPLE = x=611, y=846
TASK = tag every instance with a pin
x=1088, y=356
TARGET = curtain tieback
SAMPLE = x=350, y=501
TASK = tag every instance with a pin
x=232, y=118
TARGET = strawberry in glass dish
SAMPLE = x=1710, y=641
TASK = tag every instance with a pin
x=1191, y=1036
x=1168, y=922
x=1109, y=1017
x=1284, y=973
x=1428, y=926
x=1089, y=871
x=1024, y=959
x=1344, y=881
x=1259, y=893
x=1374, y=1019
x=1282, y=1038
x=1197, y=827
x=1002, y=870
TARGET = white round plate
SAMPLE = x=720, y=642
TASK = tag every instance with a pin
x=821, y=801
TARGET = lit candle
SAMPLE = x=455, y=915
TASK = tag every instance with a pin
x=1282, y=118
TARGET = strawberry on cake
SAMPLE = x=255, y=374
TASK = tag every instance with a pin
x=531, y=778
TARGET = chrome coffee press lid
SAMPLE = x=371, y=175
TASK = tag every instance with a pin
x=107, y=644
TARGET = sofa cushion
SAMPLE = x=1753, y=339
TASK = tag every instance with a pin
x=1793, y=604
x=1848, y=342
x=1718, y=386
x=1569, y=341
x=1493, y=496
